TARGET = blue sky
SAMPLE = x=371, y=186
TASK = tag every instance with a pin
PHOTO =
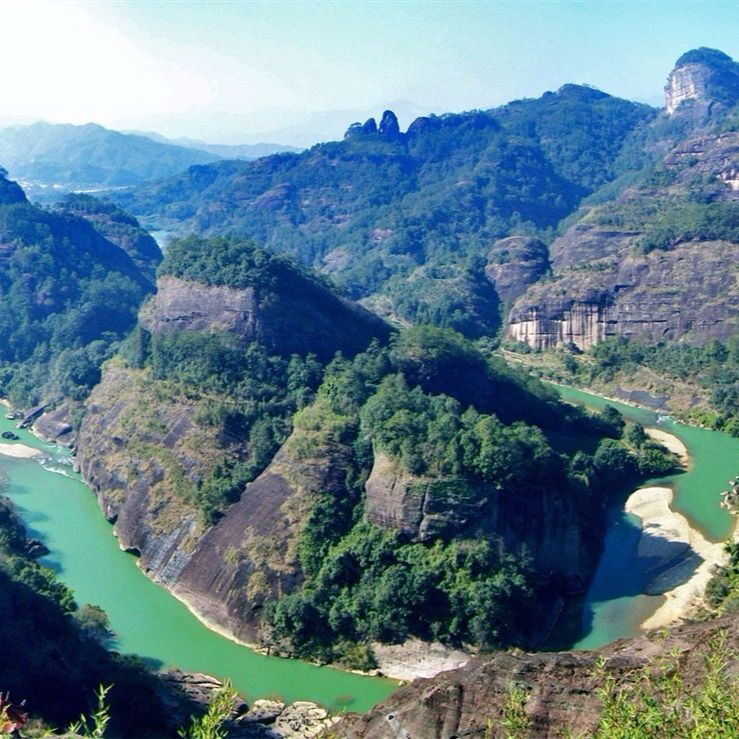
x=240, y=71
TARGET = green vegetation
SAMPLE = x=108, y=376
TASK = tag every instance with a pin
x=238, y=263
x=722, y=592
x=711, y=370
x=67, y=295
x=723, y=83
x=53, y=661
x=458, y=585
x=242, y=392
x=663, y=700
x=119, y=227
x=373, y=209
x=211, y=724
x=714, y=367
x=693, y=222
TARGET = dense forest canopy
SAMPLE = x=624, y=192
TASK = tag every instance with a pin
x=67, y=295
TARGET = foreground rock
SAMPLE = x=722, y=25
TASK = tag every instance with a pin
x=189, y=693
x=561, y=687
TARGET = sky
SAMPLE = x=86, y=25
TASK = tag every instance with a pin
x=296, y=72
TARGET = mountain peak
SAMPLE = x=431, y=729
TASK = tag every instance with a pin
x=702, y=77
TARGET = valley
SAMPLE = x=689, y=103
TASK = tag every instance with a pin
x=448, y=405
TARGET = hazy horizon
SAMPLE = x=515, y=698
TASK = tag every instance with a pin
x=300, y=72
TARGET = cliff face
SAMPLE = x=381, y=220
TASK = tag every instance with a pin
x=561, y=688
x=688, y=82
x=606, y=282
x=561, y=539
x=686, y=293
x=515, y=263
x=145, y=451
x=284, y=322
x=703, y=82
x=145, y=481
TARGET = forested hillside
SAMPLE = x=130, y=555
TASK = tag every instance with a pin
x=410, y=487
x=67, y=295
x=381, y=204
x=51, y=159
x=621, y=196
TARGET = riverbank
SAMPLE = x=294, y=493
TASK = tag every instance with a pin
x=671, y=443
x=673, y=544
x=403, y=662
x=19, y=451
x=415, y=658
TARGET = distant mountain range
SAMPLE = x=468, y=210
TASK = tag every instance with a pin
x=223, y=151
x=51, y=159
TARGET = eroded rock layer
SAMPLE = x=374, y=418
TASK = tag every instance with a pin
x=560, y=688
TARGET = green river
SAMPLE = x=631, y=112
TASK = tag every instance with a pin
x=59, y=509
x=615, y=604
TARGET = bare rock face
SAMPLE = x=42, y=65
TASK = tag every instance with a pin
x=705, y=78
x=250, y=555
x=561, y=688
x=562, y=542
x=314, y=321
x=514, y=264
x=56, y=425
x=137, y=483
x=688, y=82
x=145, y=485
x=685, y=293
x=602, y=284
x=420, y=508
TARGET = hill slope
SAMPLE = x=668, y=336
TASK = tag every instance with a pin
x=381, y=204
x=67, y=294
x=50, y=159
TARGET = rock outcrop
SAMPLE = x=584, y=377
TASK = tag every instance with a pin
x=285, y=322
x=562, y=541
x=605, y=284
x=560, y=689
x=144, y=453
x=189, y=693
x=685, y=293
x=702, y=80
x=515, y=263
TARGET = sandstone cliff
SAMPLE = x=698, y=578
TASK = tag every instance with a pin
x=609, y=281
x=562, y=539
x=285, y=322
x=702, y=80
x=146, y=451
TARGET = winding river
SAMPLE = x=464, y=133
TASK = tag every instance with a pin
x=59, y=509
x=616, y=602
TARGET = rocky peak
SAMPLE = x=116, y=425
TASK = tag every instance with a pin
x=704, y=77
x=389, y=124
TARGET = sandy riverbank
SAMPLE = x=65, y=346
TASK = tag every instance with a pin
x=670, y=442
x=415, y=658
x=20, y=451
x=669, y=538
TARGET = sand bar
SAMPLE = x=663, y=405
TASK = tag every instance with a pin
x=665, y=529
x=670, y=442
x=20, y=451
